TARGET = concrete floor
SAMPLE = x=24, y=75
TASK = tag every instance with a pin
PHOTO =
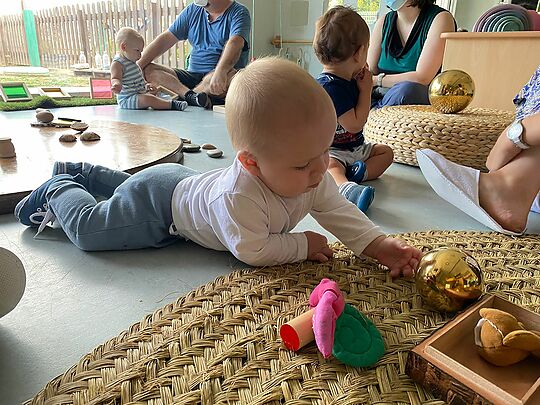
x=75, y=300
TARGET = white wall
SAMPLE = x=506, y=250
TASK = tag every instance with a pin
x=284, y=27
x=468, y=11
x=263, y=18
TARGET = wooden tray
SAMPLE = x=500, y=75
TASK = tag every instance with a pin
x=448, y=365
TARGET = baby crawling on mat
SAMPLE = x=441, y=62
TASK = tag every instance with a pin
x=127, y=78
x=249, y=208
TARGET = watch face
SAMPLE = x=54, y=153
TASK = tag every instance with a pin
x=514, y=132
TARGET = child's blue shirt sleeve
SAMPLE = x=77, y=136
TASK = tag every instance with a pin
x=340, y=91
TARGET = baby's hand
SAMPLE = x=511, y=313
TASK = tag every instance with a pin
x=400, y=258
x=364, y=79
x=318, y=249
x=116, y=86
x=150, y=88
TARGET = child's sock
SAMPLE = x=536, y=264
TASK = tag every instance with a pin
x=178, y=105
x=357, y=172
x=359, y=195
x=197, y=99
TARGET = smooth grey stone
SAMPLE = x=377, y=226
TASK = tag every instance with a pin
x=191, y=148
x=214, y=153
x=208, y=146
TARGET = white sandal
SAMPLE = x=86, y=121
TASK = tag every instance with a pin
x=458, y=185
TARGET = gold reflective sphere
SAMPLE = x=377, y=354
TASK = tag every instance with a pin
x=448, y=279
x=451, y=91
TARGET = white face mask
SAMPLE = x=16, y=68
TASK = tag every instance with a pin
x=395, y=5
x=201, y=3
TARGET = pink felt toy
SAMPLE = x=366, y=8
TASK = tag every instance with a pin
x=328, y=302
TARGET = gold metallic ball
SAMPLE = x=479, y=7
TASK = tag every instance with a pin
x=448, y=279
x=451, y=91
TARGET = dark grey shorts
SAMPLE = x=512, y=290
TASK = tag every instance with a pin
x=189, y=79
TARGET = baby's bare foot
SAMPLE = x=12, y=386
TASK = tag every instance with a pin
x=503, y=202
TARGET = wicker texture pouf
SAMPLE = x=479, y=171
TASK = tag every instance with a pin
x=465, y=138
x=219, y=344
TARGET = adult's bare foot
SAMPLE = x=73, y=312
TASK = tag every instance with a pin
x=503, y=201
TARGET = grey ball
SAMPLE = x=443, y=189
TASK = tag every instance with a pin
x=12, y=281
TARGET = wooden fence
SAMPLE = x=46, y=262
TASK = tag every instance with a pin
x=64, y=32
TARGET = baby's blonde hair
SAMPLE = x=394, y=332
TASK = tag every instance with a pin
x=124, y=34
x=269, y=95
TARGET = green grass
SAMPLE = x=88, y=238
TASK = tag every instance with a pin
x=47, y=102
x=56, y=77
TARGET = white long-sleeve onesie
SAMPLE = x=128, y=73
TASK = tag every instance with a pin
x=230, y=209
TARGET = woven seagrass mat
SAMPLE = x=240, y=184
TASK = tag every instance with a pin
x=465, y=138
x=219, y=344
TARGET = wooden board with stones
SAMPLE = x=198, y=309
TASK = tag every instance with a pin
x=123, y=146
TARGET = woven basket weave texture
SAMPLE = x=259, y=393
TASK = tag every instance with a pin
x=219, y=344
x=465, y=138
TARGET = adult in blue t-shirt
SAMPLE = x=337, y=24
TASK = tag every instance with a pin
x=219, y=33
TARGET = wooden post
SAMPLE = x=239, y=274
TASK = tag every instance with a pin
x=83, y=36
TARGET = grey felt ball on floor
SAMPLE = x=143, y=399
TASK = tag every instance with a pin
x=12, y=281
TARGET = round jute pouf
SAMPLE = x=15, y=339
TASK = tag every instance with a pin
x=465, y=138
x=220, y=344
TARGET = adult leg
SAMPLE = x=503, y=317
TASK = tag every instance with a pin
x=507, y=194
x=405, y=93
x=166, y=77
x=204, y=85
x=137, y=215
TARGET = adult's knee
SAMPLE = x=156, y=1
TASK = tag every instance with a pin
x=405, y=93
x=150, y=72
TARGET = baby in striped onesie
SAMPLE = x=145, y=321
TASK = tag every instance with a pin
x=127, y=78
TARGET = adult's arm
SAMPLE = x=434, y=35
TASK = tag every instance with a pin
x=157, y=47
x=238, y=37
x=431, y=57
x=230, y=55
x=504, y=150
x=374, y=50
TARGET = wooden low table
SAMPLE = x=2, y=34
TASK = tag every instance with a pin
x=123, y=146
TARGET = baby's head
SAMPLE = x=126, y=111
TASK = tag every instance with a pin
x=281, y=122
x=341, y=36
x=130, y=43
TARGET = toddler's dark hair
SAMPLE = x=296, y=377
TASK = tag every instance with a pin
x=338, y=35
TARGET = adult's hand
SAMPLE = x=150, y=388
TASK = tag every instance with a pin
x=218, y=83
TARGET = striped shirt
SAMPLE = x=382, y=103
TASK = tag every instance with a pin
x=132, y=78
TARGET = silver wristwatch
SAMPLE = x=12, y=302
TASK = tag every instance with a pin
x=515, y=134
x=379, y=79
